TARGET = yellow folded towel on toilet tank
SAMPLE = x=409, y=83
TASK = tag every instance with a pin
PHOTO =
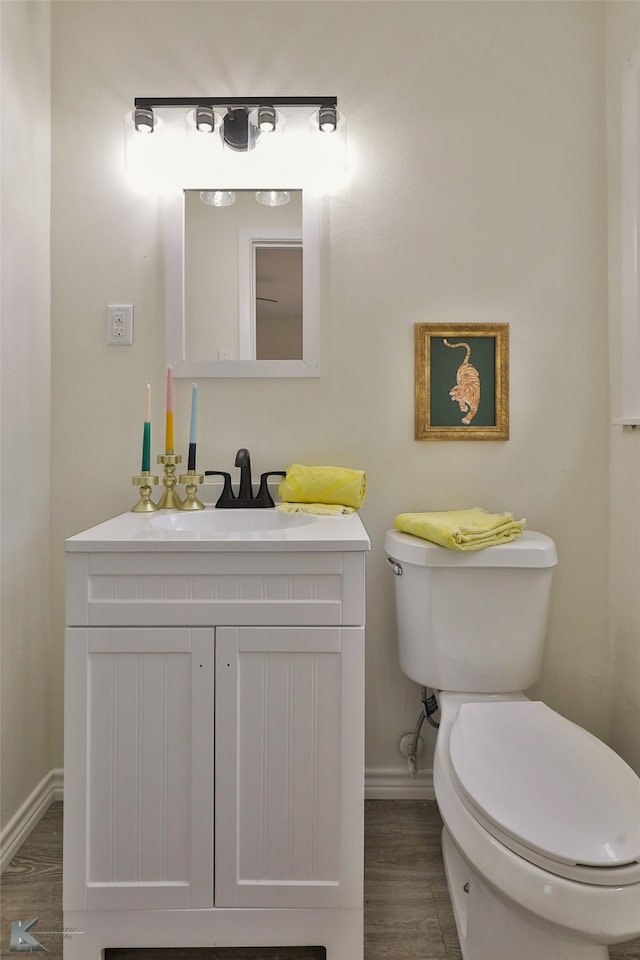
x=470, y=529
x=337, y=485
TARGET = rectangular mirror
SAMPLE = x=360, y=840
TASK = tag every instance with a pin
x=243, y=283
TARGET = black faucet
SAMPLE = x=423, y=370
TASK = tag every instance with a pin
x=245, y=497
x=243, y=460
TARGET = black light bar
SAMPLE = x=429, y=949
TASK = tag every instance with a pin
x=248, y=102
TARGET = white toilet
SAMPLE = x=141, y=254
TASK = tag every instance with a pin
x=541, y=838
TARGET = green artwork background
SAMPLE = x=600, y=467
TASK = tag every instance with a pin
x=445, y=361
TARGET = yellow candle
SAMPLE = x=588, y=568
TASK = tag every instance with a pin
x=169, y=429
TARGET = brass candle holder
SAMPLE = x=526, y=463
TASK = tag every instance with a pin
x=170, y=498
x=191, y=481
x=145, y=481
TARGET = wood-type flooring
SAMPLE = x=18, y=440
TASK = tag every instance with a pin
x=407, y=911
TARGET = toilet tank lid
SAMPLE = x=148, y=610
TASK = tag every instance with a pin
x=530, y=549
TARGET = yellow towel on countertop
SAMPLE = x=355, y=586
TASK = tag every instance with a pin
x=321, y=509
x=338, y=485
x=471, y=529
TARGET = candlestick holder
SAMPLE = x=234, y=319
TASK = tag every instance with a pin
x=170, y=498
x=145, y=481
x=190, y=481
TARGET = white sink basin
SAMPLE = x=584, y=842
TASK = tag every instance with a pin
x=261, y=523
x=223, y=531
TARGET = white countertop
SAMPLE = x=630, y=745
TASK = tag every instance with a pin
x=152, y=532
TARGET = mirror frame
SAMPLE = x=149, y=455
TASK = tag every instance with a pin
x=308, y=366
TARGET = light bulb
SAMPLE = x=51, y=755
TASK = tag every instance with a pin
x=205, y=119
x=267, y=119
x=327, y=119
x=143, y=119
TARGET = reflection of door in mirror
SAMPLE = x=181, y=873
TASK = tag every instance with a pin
x=278, y=300
x=232, y=256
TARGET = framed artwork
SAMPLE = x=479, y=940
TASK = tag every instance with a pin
x=462, y=381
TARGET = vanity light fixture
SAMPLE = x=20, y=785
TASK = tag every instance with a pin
x=236, y=125
x=289, y=140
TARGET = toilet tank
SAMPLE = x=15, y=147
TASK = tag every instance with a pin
x=473, y=622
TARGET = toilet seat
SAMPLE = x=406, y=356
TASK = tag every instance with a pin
x=548, y=790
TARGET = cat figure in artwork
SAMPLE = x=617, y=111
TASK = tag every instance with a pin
x=467, y=390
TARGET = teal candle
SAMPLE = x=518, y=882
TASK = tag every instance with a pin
x=146, y=432
x=146, y=447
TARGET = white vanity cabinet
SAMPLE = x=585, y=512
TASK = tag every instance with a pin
x=214, y=739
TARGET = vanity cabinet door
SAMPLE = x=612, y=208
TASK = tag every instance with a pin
x=139, y=748
x=289, y=766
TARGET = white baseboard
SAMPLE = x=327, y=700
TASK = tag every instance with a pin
x=27, y=816
x=379, y=784
x=394, y=784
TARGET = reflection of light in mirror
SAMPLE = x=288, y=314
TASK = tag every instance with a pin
x=218, y=198
x=273, y=198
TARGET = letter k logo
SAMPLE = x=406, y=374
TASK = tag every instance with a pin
x=21, y=939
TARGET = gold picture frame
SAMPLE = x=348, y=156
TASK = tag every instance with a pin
x=462, y=381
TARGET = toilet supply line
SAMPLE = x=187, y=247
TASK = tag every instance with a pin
x=429, y=707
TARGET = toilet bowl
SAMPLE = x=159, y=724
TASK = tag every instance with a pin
x=541, y=837
x=561, y=885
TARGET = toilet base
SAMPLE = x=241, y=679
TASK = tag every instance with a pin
x=490, y=928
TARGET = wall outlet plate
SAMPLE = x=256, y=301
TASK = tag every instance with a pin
x=120, y=324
